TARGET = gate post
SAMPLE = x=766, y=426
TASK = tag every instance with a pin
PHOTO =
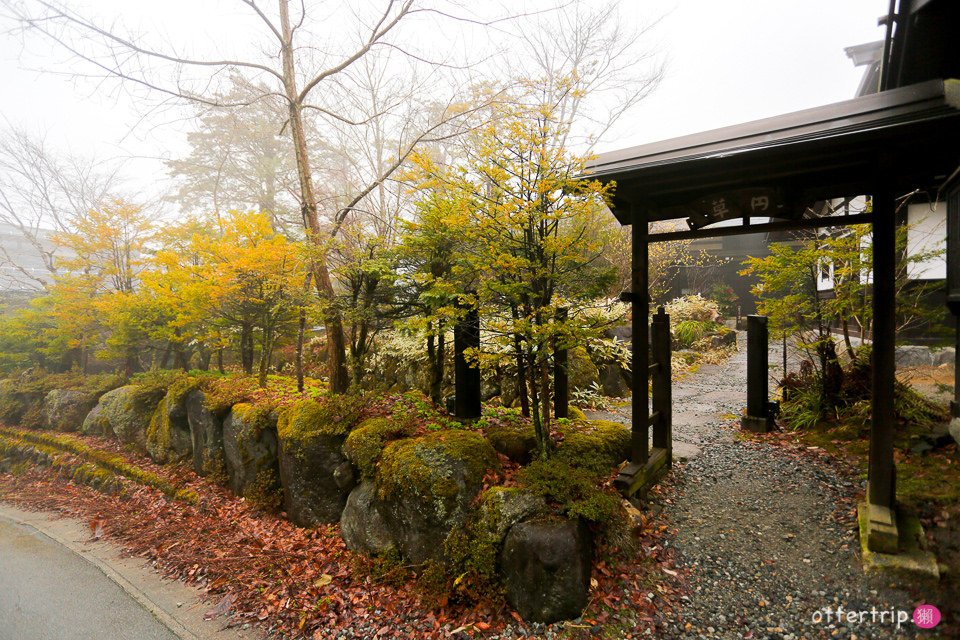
x=466, y=335
x=758, y=415
x=561, y=382
x=662, y=384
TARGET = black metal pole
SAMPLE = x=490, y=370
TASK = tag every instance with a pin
x=881, y=482
x=561, y=386
x=466, y=335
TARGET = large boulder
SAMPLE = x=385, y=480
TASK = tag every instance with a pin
x=250, y=452
x=65, y=409
x=582, y=373
x=362, y=527
x=502, y=507
x=168, y=435
x=206, y=436
x=317, y=478
x=546, y=568
x=425, y=487
x=124, y=413
x=613, y=382
x=366, y=441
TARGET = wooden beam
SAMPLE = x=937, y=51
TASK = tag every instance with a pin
x=767, y=227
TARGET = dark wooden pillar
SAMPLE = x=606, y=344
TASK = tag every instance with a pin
x=878, y=516
x=561, y=386
x=662, y=385
x=466, y=335
x=758, y=373
x=645, y=466
x=640, y=346
x=953, y=281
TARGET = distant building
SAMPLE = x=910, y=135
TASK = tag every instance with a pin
x=23, y=265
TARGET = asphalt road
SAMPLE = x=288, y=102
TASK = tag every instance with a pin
x=48, y=592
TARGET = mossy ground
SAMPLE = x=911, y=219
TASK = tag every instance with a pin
x=104, y=460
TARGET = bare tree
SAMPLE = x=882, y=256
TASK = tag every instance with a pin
x=40, y=193
x=299, y=74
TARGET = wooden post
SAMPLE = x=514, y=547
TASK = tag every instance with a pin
x=561, y=386
x=645, y=466
x=662, y=384
x=640, y=344
x=880, y=523
x=953, y=281
x=758, y=371
x=466, y=335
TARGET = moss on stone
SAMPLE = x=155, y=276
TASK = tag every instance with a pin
x=596, y=445
x=573, y=491
x=366, y=442
x=425, y=465
x=575, y=414
x=514, y=439
x=305, y=420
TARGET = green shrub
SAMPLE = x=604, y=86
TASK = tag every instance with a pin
x=687, y=332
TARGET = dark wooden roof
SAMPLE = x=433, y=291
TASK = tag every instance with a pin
x=814, y=154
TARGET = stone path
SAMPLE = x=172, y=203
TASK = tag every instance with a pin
x=767, y=536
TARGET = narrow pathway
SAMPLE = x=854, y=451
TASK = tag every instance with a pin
x=766, y=534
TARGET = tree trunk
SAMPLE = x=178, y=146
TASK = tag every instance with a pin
x=333, y=321
x=298, y=363
x=266, y=350
x=220, y=360
x=536, y=415
x=246, y=347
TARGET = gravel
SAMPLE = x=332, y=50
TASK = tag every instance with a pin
x=765, y=535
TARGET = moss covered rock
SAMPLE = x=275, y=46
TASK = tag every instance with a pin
x=168, y=435
x=362, y=527
x=250, y=451
x=124, y=413
x=546, y=568
x=596, y=445
x=317, y=478
x=65, y=409
x=502, y=507
x=516, y=440
x=206, y=436
x=425, y=487
x=365, y=443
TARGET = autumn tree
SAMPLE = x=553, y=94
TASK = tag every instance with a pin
x=307, y=79
x=527, y=220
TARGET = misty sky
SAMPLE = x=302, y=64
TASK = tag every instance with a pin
x=728, y=61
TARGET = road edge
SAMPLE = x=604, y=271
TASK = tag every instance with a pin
x=113, y=573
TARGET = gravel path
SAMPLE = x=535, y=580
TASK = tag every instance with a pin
x=765, y=534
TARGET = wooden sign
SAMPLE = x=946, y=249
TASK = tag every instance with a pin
x=735, y=205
